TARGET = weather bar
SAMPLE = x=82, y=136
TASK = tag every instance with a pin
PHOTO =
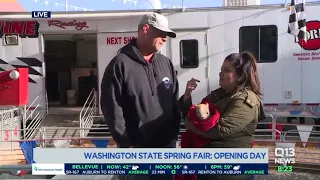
x=165, y=169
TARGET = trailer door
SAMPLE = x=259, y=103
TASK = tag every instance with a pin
x=190, y=59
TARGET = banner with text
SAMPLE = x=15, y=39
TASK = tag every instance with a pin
x=141, y=155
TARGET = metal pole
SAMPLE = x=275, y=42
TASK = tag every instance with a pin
x=66, y=3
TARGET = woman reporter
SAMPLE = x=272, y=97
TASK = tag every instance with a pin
x=239, y=101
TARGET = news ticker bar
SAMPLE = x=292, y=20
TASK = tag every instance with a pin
x=148, y=169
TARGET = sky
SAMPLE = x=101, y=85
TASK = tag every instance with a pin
x=94, y=5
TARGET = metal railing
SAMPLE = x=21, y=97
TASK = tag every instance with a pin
x=87, y=113
x=304, y=156
x=47, y=141
x=10, y=120
x=102, y=132
x=87, y=128
x=34, y=114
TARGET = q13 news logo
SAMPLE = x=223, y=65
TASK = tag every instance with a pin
x=284, y=156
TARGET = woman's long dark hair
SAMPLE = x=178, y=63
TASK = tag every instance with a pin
x=246, y=68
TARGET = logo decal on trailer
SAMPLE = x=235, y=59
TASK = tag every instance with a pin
x=24, y=29
x=313, y=36
x=78, y=25
x=166, y=82
x=31, y=64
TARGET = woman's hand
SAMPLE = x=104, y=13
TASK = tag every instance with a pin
x=191, y=85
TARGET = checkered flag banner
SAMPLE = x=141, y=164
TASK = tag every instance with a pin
x=297, y=19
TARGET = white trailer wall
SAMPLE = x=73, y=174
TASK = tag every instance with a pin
x=287, y=75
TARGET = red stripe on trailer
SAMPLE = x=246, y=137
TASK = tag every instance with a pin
x=270, y=104
x=293, y=104
x=312, y=104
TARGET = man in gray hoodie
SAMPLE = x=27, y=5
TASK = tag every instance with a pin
x=139, y=91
